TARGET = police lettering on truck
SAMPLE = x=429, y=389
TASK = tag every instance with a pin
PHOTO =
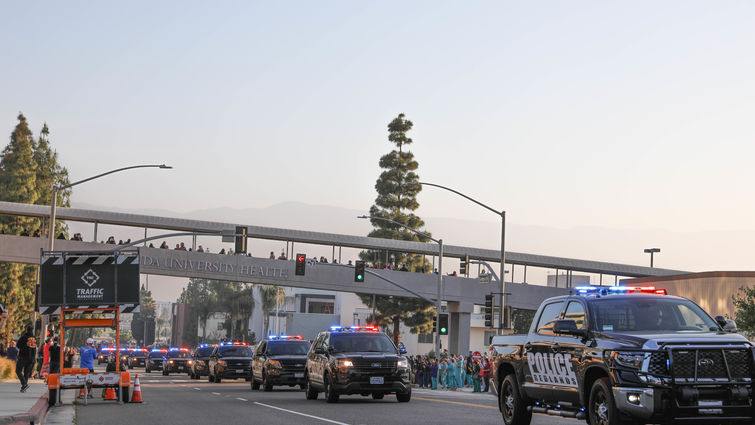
x=552, y=369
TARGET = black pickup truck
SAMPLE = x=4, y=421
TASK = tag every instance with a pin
x=625, y=355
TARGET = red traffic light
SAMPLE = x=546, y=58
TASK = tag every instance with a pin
x=300, y=258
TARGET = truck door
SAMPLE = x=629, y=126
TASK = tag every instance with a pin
x=567, y=352
x=538, y=382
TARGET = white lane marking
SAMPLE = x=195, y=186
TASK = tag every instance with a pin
x=242, y=399
x=300, y=414
x=196, y=388
x=216, y=393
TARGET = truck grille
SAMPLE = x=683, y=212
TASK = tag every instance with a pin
x=704, y=364
x=375, y=365
x=238, y=364
x=293, y=364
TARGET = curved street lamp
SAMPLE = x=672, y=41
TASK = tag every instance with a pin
x=440, y=274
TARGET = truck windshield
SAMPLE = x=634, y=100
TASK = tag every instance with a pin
x=639, y=314
x=275, y=348
x=378, y=343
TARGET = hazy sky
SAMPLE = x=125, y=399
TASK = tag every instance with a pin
x=634, y=115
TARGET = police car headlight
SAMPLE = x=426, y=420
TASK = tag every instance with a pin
x=403, y=363
x=222, y=363
x=345, y=363
x=274, y=364
x=630, y=359
x=189, y=362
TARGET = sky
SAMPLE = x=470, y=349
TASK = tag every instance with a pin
x=622, y=115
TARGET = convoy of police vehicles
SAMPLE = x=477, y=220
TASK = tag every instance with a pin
x=615, y=355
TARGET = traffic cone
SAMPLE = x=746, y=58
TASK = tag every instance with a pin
x=110, y=395
x=81, y=392
x=136, y=397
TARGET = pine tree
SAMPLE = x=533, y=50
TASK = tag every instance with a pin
x=17, y=184
x=397, y=198
x=50, y=172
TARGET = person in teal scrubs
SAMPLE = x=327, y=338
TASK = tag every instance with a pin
x=451, y=373
x=461, y=376
x=442, y=377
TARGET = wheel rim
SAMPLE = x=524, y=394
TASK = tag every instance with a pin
x=507, y=401
x=600, y=408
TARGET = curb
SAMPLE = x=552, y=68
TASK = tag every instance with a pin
x=35, y=415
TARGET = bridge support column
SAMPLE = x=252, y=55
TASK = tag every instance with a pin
x=458, y=333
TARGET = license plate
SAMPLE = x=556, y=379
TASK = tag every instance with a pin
x=376, y=380
x=239, y=370
x=707, y=407
x=299, y=375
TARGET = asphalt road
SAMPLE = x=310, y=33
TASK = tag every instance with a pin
x=176, y=399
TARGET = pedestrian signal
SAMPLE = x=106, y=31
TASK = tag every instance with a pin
x=301, y=263
x=443, y=323
x=359, y=271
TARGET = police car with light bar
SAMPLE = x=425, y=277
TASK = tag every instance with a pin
x=279, y=360
x=104, y=355
x=155, y=359
x=137, y=357
x=201, y=360
x=230, y=360
x=356, y=360
x=625, y=354
x=177, y=360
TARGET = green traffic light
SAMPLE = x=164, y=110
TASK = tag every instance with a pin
x=360, y=277
x=443, y=330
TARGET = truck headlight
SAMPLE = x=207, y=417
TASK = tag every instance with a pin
x=632, y=359
x=222, y=363
x=274, y=364
x=403, y=363
x=345, y=363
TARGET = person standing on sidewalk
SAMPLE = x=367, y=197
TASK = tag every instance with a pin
x=27, y=352
x=55, y=356
x=12, y=352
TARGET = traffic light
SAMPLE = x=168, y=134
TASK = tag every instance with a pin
x=240, y=247
x=301, y=263
x=463, y=267
x=488, y=311
x=359, y=271
x=443, y=323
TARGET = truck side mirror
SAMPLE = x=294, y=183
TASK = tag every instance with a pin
x=728, y=325
x=568, y=327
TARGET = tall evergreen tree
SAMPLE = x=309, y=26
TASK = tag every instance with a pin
x=17, y=184
x=396, y=200
x=49, y=173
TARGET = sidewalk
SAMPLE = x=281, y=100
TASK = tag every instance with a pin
x=18, y=407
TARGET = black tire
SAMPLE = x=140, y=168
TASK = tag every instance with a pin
x=331, y=395
x=378, y=396
x=310, y=392
x=404, y=397
x=510, y=403
x=165, y=373
x=147, y=370
x=217, y=378
x=52, y=397
x=255, y=384
x=210, y=378
x=602, y=407
x=265, y=385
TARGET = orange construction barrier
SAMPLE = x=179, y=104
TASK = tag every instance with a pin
x=136, y=397
x=110, y=395
x=81, y=393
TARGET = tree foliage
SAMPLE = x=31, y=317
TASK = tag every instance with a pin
x=205, y=297
x=396, y=200
x=271, y=296
x=744, y=315
x=28, y=168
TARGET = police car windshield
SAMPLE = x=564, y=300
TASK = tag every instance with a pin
x=178, y=354
x=656, y=314
x=156, y=354
x=204, y=351
x=235, y=351
x=371, y=342
x=287, y=347
x=139, y=354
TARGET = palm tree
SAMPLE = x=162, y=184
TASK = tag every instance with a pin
x=271, y=295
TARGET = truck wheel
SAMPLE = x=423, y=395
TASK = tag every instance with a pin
x=310, y=392
x=405, y=397
x=510, y=403
x=255, y=384
x=147, y=370
x=210, y=379
x=268, y=387
x=377, y=396
x=602, y=407
x=331, y=395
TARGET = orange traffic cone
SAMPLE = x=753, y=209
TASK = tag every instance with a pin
x=110, y=395
x=136, y=397
x=81, y=392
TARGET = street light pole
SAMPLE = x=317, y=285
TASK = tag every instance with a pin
x=440, y=276
x=53, y=205
x=651, y=251
x=502, y=214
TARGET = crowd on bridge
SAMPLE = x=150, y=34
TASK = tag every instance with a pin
x=453, y=372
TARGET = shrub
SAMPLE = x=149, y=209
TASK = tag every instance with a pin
x=7, y=368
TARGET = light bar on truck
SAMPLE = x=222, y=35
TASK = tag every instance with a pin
x=284, y=338
x=588, y=290
x=368, y=328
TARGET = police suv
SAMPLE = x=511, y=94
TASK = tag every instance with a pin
x=177, y=360
x=137, y=357
x=155, y=359
x=356, y=360
x=230, y=360
x=625, y=354
x=201, y=360
x=279, y=360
